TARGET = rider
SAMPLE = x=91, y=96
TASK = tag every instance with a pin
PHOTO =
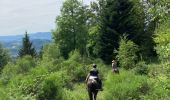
x=114, y=66
x=93, y=74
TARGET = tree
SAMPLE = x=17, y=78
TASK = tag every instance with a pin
x=4, y=57
x=162, y=40
x=156, y=12
x=116, y=18
x=71, y=31
x=27, y=48
x=93, y=46
x=127, y=53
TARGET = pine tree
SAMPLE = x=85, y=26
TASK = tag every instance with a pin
x=116, y=18
x=27, y=48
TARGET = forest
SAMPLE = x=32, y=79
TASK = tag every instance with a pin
x=135, y=33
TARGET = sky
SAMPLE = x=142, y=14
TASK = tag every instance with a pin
x=18, y=16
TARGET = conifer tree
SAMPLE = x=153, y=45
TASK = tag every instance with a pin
x=116, y=18
x=27, y=48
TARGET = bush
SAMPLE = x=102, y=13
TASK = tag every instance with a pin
x=51, y=52
x=51, y=88
x=127, y=53
x=24, y=64
x=75, y=66
x=4, y=57
x=156, y=70
x=39, y=85
x=76, y=71
x=79, y=92
x=125, y=86
x=141, y=68
x=51, y=58
x=160, y=88
x=8, y=72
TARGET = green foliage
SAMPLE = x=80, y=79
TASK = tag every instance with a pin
x=156, y=70
x=95, y=31
x=116, y=18
x=75, y=66
x=24, y=64
x=8, y=72
x=31, y=84
x=93, y=39
x=50, y=88
x=158, y=9
x=159, y=81
x=162, y=40
x=51, y=57
x=27, y=48
x=51, y=52
x=160, y=89
x=141, y=68
x=126, y=85
x=127, y=56
x=71, y=31
x=79, y=92
x=37, y=84
x=4, y=57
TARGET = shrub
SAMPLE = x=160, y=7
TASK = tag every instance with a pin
x=155, y=70
x=39, y=85
x=76, y=67
x=24, y=64
x=51, y=58
x=127, y=53
x=79, y=92
x=4, y=57
x=8, y=72
x=141, y=68
x=76, y=70
x=51, y=52
x=51, y=88
x=125, y=86
x=160, y=88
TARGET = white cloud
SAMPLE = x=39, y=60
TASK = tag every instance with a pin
x=16, y=16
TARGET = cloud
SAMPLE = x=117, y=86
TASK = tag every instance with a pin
x=16, y=16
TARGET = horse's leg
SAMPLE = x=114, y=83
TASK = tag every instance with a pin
x=95, y=95
x=90, y=95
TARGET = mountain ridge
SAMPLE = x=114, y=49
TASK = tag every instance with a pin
x=14, y=43
x=37, y=35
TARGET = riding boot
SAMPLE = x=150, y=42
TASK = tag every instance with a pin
x=100, y=85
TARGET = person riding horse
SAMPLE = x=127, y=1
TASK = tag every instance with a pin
x=93, y=82
x=93, y=75
x=114, y=67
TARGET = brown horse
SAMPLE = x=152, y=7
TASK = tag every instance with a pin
x=92, y=87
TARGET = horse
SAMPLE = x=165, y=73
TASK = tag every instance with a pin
x=92, y=87
x=115, y=70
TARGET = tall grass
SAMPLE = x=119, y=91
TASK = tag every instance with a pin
x=125, y=86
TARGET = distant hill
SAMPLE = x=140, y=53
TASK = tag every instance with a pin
x=38, y=35
x=14, y=43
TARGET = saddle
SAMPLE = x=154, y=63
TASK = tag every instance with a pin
x=95, y=81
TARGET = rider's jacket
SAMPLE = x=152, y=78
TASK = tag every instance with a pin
x=94, y=73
